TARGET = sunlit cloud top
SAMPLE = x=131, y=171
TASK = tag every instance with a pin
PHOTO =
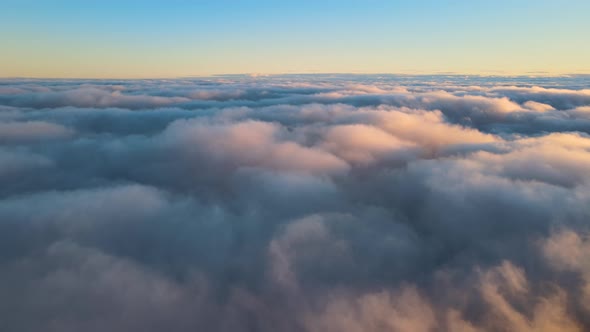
x=157, y=38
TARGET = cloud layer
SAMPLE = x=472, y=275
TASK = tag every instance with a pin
x=295, y=203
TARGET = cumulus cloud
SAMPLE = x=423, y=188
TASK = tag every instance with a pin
x=556, y=97
x=295, y=203
x=364, y=144
x=87, y=97
x=18, y=132
x=539, y=107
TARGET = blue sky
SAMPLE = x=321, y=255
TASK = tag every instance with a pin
x=180, y=38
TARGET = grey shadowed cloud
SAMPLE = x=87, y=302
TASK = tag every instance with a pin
x=295, y=203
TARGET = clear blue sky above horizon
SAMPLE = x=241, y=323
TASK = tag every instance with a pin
x=157, y=38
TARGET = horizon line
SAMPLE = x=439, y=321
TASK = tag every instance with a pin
x=261, y=75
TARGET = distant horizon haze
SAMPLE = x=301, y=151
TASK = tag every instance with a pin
x=156, y=38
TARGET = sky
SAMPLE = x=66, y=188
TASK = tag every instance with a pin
x=178, y=38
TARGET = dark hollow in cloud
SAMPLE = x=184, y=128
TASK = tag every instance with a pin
x=295, y=203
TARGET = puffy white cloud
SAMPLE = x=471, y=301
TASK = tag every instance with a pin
x=539, y=107
x=365, y=144
x=246, y=144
